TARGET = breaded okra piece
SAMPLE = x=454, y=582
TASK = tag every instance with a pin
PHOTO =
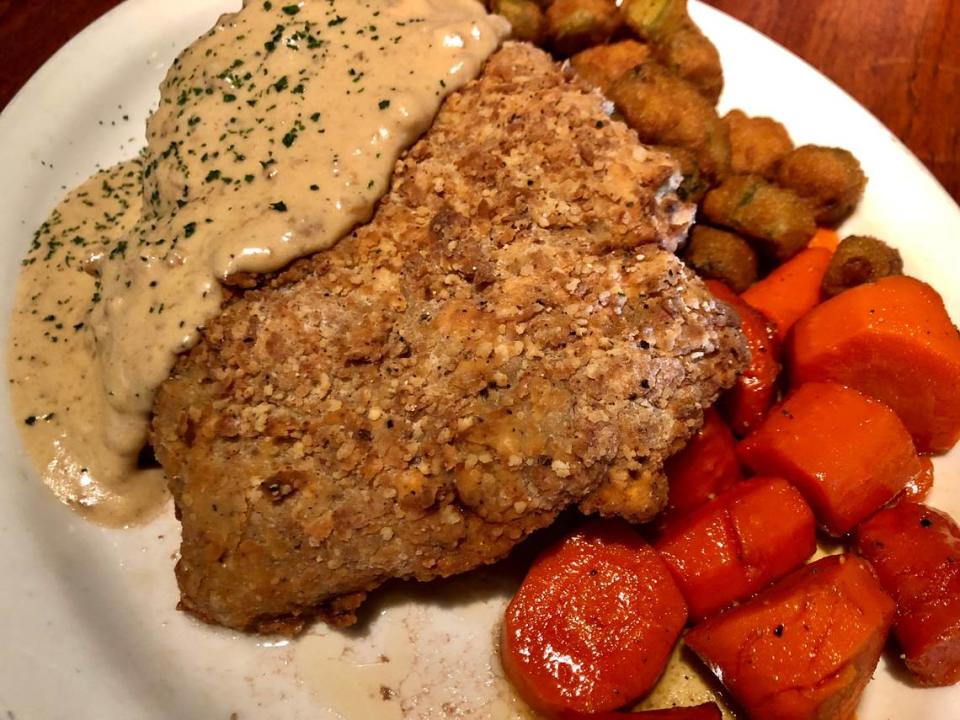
x=573, y=25
x=860, y=259
x=603, y=65
x=723, y=256
x=757, y=144
x=778, y=220
x=526, y=18
x=665, y=109
x=830, y=178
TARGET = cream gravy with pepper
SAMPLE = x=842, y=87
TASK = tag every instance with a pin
x=275, y=135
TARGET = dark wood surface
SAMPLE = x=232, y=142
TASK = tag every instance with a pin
x=900, y=58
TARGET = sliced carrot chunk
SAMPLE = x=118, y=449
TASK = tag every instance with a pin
x=847, y=453
x=893, y=340
x=825, y=238
x=805, y=648
x=792, y=290
x=747, y=402
x=916, y=552
x=706, y=467
x=593, y=623
x=918, y=488
x=737, y=544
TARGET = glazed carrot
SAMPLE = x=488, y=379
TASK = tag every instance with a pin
x=918, y=488
x=791, y=290
x=825, y=238
x=733, y=546
x=805, y=648
x=916, y=552
x=593, y=623
x=847, y=453
x=707, y=711
x=707, y=466
x=894, y=340
x=747, y=402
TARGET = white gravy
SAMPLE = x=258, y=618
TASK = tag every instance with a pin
x=276, y=134
x=55, y=382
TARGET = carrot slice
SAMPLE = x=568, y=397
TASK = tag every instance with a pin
x=732, y=547
x=894, y=340
x=706, y=467
x=747, y=402
x=792, y=290
x=915, y=550
x=806, y=647
x=593, y=623
x=917, y=489
x=825, y=238
x=847, y=453
x=707, y=711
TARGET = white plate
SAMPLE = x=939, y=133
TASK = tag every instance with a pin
x=87, y=615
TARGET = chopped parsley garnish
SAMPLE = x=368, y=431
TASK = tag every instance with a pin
x=120, y=249
x=279, y=206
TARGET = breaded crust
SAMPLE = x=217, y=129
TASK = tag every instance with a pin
x=505, y=339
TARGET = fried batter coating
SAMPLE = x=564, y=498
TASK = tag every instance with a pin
x=573, y=25
x=694, y=185
x=722, y=255
x=602, y=65
x=692, y=56
x=654, y=19
x=526, y=19
x=779, y=221
x=860, y=259
x=665, y=109
x=505, y=339
x=830, y=178
x=757, y=144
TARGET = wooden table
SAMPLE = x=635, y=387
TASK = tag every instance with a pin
x=900, y=58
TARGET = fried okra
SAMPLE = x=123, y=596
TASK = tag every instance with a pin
x=722, y=255
x=602, y=65
x=757, y=144
x=573, y=25
x=692, y=56
x=860, y=259
x=778, y=220
x=830, y=178
x=665, y=109
x=694, y=185
x=526, y=18
x=654, y=19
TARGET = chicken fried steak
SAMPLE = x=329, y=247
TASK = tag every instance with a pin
x=511, y=335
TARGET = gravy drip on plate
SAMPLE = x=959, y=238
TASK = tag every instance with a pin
x=275, y=135
x=54, y=375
